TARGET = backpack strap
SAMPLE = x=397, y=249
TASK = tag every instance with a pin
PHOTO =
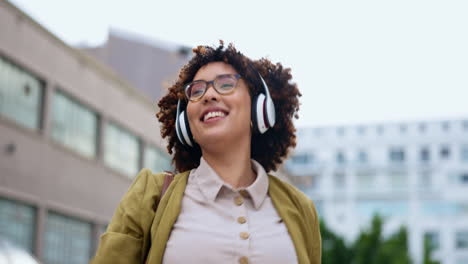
x=168, y=178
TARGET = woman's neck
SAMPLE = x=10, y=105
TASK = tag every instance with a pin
x=232, y=165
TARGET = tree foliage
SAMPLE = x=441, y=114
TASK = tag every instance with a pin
x=428, y=248
x=370, y=247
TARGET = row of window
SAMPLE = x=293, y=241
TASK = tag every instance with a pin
x=66, y=240
x=396, y=180
x=372, y=181
x=395, y=155
x=433, y=238
x=367, y=209
x=445, y=126
x=430, y=208
x=73, y=124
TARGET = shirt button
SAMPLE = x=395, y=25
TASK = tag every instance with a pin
x=243, y=260
x=244, y=235
x=241, y=220
x=244, y=193
x=239, y=200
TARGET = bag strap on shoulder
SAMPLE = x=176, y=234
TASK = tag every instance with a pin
x=168, y=177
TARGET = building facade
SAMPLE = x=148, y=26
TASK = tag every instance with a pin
x=136, y=57
x=73, y=134
x=412, y=173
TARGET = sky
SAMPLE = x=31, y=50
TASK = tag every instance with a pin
x=355, y=62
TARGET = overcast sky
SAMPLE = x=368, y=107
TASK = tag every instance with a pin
x=354, y=61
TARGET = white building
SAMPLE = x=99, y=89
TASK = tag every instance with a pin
x=412, y=173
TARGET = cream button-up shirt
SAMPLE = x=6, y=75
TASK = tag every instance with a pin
x=220, y=224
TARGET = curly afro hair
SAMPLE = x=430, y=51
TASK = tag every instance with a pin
x=270, y=148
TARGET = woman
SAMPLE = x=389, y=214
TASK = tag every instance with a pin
x=228, y=121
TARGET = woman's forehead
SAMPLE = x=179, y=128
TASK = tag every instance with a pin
x=209, y=71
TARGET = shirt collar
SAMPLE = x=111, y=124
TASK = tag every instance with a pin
x=210, y=183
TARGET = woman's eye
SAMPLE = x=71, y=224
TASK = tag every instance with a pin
x=226, y=85
x=197, y=92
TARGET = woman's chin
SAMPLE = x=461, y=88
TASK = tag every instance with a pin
x=209, y=139
x=218, y=137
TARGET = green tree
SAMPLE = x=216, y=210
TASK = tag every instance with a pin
x=334, y=247
x=368, y=243
x=394, y=250
x=428, y=249
x=370, y=247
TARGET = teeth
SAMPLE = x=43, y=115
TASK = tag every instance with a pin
x=213, y=114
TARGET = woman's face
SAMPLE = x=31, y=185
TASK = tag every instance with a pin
x=232, y=119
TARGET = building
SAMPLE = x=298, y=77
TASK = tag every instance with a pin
x=411, y=173
x=135, y=58
x=73, y=133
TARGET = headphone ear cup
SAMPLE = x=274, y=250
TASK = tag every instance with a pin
x=258, y=110
x=189, y=132
x=183, y=130
x=270, y=113
x=178, y=127
x=253, y=113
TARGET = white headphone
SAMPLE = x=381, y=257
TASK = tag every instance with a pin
x=263, y=116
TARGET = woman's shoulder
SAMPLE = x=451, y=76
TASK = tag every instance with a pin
x=147, y=179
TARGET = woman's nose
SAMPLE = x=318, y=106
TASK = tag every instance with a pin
x=210, y=94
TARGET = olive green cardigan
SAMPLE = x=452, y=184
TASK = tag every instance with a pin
x=139, y=233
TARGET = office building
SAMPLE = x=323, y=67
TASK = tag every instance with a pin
x=412, y=173
x=73, y=134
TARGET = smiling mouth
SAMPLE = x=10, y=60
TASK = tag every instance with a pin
x=212, y=115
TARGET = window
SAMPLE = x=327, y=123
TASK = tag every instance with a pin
x=398, y=179
x=445, y=126
x=422, y=128
x=380, y=130
x=464, y=153
x=66, y=240
x=340, y=131
x=433, y=239
x=443, y=208
x=122, y=150
x=20, y=95
x=403, y=128
x=367, y=208
x=17, y=223
x=362, y=157
x=425, y=179
x=461, y=239
x=425, y=154
x=464, y=178
x=302, y=158
x=156, y=160
x=339, y=179
x=74, y=125
x=397, y=155
x=340, y=158
x=444, y=152
x=365, y=180
x=308, y=183
x=361, y=130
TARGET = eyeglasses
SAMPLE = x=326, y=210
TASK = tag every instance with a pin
x=223, y=84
